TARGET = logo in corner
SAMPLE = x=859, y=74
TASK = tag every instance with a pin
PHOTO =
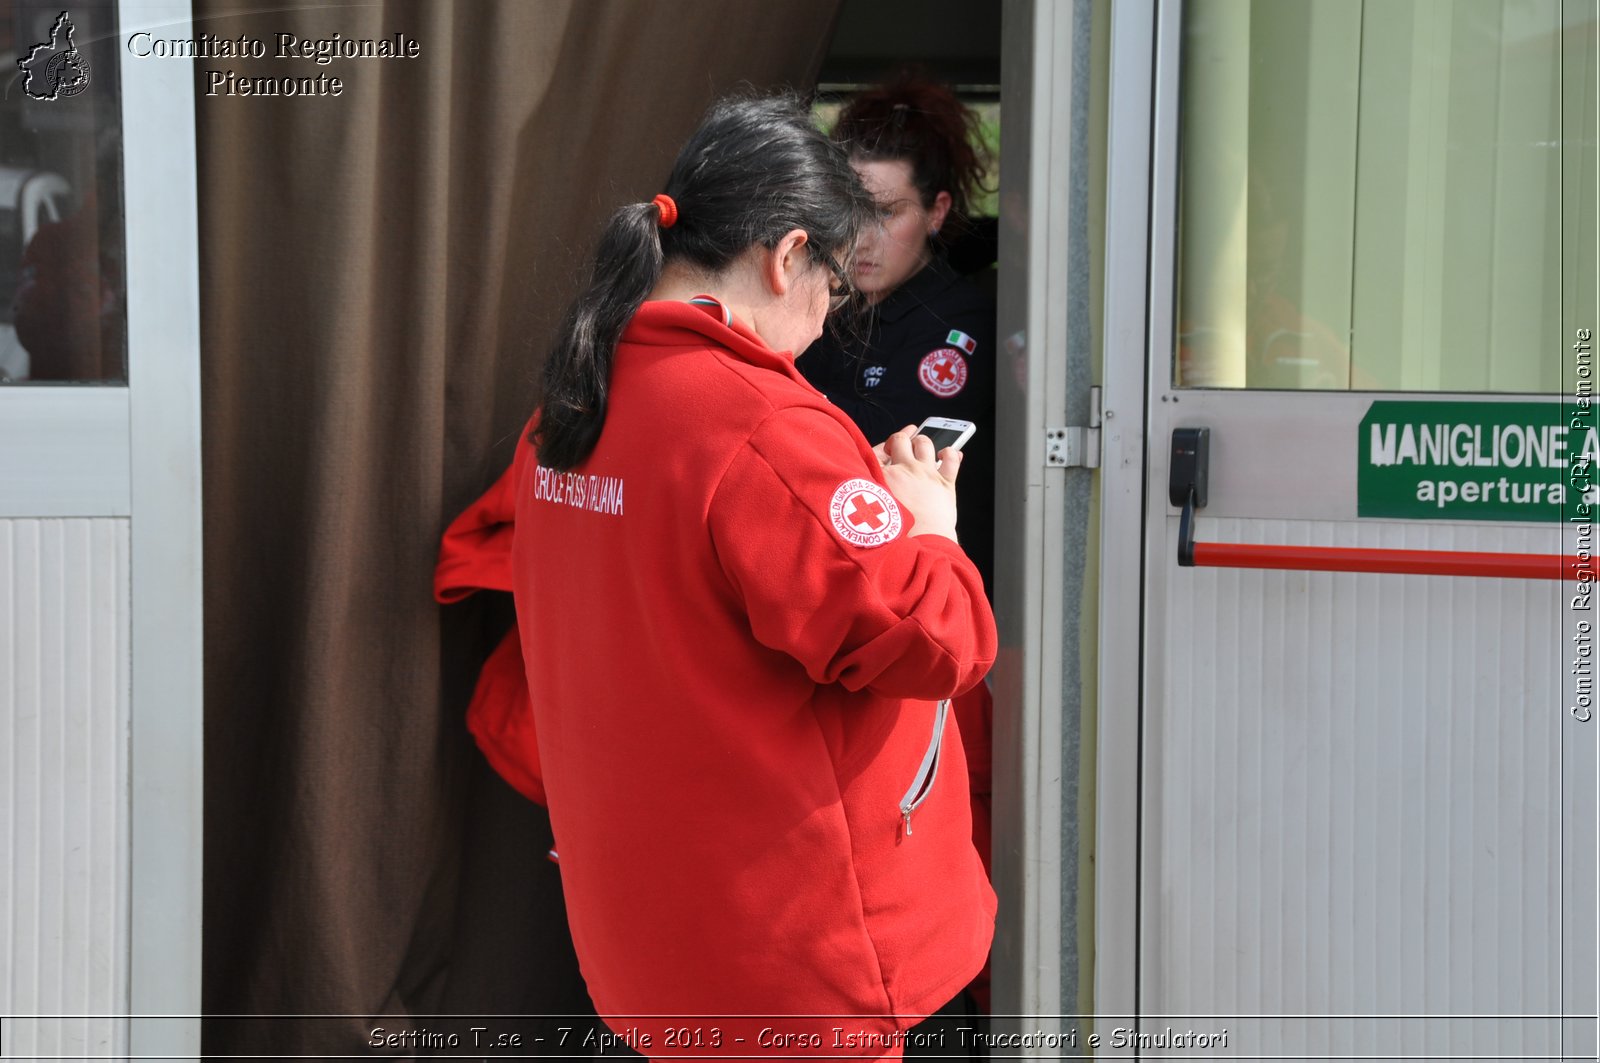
x=55, y=69
x=864, y=514
x=943, y=372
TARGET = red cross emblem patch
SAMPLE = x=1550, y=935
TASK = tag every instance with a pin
x=943, y=372
x=864, y=514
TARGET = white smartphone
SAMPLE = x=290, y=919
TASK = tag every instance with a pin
x=946, y=432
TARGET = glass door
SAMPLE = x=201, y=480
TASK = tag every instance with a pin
x=100, y=771
x=1367, y=816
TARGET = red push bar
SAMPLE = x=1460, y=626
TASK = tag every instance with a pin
x=1187, y=489
x=1412, y=562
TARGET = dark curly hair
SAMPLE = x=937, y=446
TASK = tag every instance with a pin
x=921, y=121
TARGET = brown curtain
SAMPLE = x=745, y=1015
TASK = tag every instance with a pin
x=380, y=271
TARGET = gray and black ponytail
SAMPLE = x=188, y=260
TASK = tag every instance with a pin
x=756, y=169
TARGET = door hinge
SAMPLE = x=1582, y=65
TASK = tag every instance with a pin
x=1076, y=446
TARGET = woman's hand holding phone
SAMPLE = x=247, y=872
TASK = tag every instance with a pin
x=922, y=481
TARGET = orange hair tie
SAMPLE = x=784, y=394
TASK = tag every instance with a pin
x=668, y=209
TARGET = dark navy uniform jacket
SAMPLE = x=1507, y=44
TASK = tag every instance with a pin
x=925, y=351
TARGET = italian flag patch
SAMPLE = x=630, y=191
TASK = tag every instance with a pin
x=961, y=340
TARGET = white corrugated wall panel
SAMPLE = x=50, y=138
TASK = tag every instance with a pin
x=1353, y=801
x=64, y=685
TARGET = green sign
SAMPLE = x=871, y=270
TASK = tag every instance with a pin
x=1528, y=461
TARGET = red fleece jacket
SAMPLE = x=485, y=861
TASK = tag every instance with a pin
x=735, y=655
x=475, y=555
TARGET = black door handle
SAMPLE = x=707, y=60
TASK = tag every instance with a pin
x=1188, y=473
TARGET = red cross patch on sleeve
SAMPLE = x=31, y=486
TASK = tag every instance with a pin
x=943, y=372
x=864, y=514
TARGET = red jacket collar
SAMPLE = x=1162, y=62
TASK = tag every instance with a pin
x=669, y=323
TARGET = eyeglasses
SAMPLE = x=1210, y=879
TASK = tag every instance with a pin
x=888, y=212
x=839, y=290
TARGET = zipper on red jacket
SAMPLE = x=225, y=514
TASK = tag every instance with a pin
x=922, y=785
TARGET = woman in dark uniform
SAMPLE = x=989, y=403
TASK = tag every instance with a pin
x=924, y=346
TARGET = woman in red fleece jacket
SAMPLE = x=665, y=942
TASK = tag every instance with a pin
x=741, y=625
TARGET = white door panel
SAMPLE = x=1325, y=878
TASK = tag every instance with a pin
x=64, y=783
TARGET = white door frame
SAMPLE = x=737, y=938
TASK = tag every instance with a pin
x=167, y=729
x=1032, y=316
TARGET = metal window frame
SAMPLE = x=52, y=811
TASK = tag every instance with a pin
x=1026, y=852
x=1138, y=71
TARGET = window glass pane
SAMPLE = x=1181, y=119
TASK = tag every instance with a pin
x=62, y=309
x=1371, y=192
